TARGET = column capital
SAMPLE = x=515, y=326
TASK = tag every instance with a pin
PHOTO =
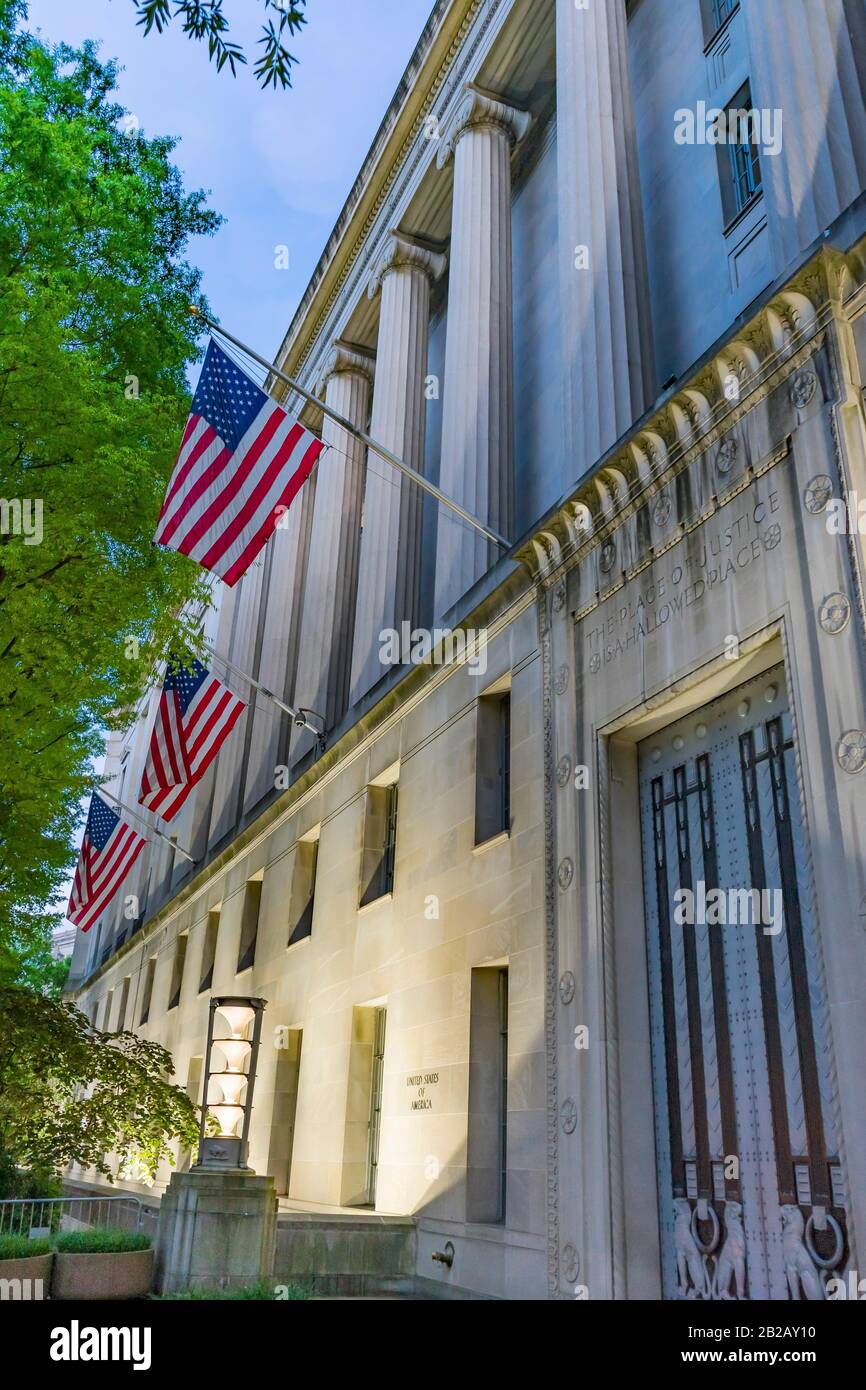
x=403, y=251
x=481, y=108
x=346, y=357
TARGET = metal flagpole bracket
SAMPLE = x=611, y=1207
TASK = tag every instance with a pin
x=352, y=429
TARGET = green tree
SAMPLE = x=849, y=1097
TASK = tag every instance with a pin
x=204, y=20
x=71, y=1094
x=34, y=966
x=95, y=342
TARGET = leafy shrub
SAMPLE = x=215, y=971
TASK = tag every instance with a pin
x=22, y=1248
x=108, y=1240
x=20, y=1182
x=264, y=1290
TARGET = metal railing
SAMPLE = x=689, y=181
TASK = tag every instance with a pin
x=44, y=1216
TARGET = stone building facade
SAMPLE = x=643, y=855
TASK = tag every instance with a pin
x=640, y=352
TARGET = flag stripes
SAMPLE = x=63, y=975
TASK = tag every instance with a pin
x=195, y=716
x=108, y=851
x=241, y=463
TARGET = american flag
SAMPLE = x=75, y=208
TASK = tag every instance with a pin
x=108, y=851
x=241, y=458
x=196, y=714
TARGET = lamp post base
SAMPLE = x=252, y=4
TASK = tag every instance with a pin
x=222, y=1154
x=217, y=1228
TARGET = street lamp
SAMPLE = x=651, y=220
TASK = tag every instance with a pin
x=229, y=1077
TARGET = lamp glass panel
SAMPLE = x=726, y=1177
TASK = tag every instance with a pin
x=231, y=1085
x=227, y=1118
x=238, y=1016
x=235, y=1052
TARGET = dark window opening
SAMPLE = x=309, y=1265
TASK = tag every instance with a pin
x=305, y=879
x=487, y=1153
x=493, y=767
x=148, y=991
x=739, y=162
x=380, y=843
x=208, y=956
x=124, y=1004
x=250, y=924
x=177, y=972
x=721, y=11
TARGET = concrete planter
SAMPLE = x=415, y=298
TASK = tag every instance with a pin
x=128, y=1274
x=33, y=1272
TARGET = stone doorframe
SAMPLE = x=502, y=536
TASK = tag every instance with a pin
x=603, y=1219
x=631, y=1127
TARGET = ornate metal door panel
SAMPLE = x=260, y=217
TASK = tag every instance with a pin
x=747, y=1133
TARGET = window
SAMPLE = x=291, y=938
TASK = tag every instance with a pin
x=714, y=14
x=124, y=1002
x=487, y=1155
x=208, y=954
x=303, y=890
x=94, y=950
x=150, y=971
x=106, y=1016
x=286, y=1081
x=177, y=971
x=250, y=924
x=721, y=10
x=493, y=766
x=380, y=843
x=364, y=1113
x=739, y=164
x=193, y=1090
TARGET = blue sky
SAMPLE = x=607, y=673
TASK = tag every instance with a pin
x=279, y=165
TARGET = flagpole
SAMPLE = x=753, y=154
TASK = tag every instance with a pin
x=152, y=828
x=297, y=715
x=365, y=438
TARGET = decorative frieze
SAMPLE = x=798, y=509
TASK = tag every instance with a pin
x=703, y=417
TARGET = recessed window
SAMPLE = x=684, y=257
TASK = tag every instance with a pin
x=150, y=971
x=303, y=890
x=380, y=843
x=94, y=950
x=715, y=14
x=721, y=9
x=250, y=924
x=208, y=955
x=493, y=766
x=739, y=162
x=487, y=1152
x=124, y=1003
x=177, y=971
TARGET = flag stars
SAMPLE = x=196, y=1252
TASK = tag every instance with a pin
x=226, y=397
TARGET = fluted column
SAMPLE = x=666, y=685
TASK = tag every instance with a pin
x=327, y=624
x=477, y=401
x=804, y=65
x=389, y=581
x=605, y=321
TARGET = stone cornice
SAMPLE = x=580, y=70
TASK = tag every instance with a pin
x=481, y=108
x=421, y=85
x=401, y=251
x=699, y=412
x=347, y=357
